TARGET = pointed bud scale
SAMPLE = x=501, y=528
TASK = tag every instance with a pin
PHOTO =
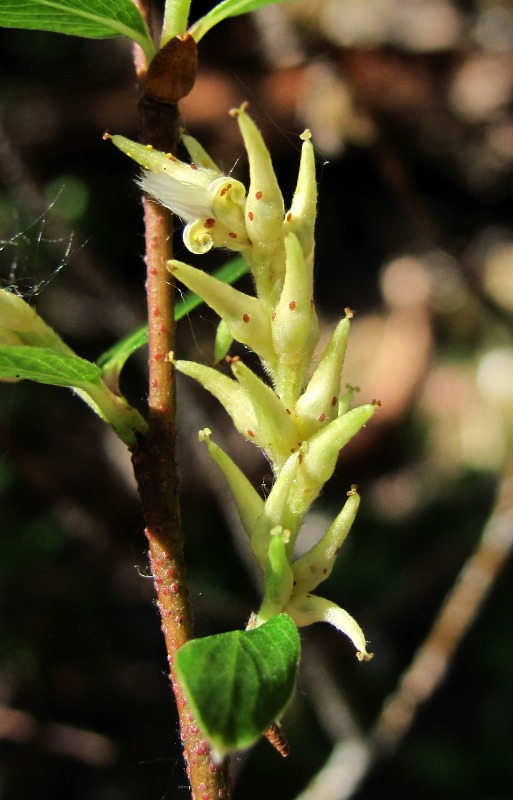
x=321, y=454
x=198, y=154
x=249, y=503
x=229, y=393
x=275, y=425
x=301, y=217
x=245, y=318
x=318, y=405
x=294, y=325
x=222, y=343
x=264, y=205
x=277, y=576
x=316, y=565
x=309, y=609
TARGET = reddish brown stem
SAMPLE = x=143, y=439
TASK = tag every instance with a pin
x=155, y=470
x=154, y=459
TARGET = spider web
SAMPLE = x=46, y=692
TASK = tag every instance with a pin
x=26, y=254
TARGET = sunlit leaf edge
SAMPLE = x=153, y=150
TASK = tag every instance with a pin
x=43, y=365
x=96, y=19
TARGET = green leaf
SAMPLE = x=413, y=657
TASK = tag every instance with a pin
x=239, y=682
x=93, y=19
x=46, y=366
x=113, y=360
x=228, y=8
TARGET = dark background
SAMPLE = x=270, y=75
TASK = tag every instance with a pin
x=410, y=105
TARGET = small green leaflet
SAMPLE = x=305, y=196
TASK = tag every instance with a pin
x=238, y=683
x=94, y=19
x=228, y=8
x=45, y=366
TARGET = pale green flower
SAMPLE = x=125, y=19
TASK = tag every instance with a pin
x=211, y=203
x=299, y=422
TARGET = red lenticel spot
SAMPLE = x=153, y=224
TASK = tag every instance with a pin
x=251, y=216
x=258, y=195
x=333, y=401
x=292, y=305
x=209, y=223
x=232, y=235
x=245, y=317
x=250, y=433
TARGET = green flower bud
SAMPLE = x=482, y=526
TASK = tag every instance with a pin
x=249, y=503
x=230, y=394
x=309, y=608
x=278, y=511
x=264, y=204
x=301, y=217
x=316, y=565
x=295, y=329
x=222, y=342
x=274, y=423
x=318, y=405
x=321, y=454
x=277, y=576
x=245, y=317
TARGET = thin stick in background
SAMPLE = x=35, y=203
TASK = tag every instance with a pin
x=352, y=759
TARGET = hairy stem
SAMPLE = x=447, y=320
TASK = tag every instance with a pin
x=155, y=470
x=154, y=458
